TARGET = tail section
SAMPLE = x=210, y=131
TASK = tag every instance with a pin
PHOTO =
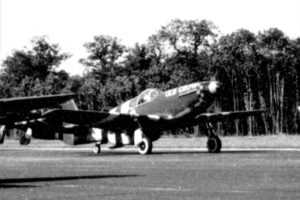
x=74, y=135
x=69, y=105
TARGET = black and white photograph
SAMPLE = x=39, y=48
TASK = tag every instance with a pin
x=140, y=99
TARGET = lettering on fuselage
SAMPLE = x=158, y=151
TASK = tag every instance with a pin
x=171, y=92
x=183, y=90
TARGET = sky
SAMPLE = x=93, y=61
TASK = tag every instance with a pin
x=71, y=23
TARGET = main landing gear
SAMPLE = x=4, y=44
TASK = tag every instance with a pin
x=25, y=137
x=145, y=146
x=97, y=148
x=214, y=144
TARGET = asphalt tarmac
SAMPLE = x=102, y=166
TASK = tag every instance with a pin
x=75, y=174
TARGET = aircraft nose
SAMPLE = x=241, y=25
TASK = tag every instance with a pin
x=213, y=86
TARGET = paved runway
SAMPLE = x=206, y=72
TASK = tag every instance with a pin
x=74, y=174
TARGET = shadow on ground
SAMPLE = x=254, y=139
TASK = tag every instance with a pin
x=166, y=152
x=18, y=182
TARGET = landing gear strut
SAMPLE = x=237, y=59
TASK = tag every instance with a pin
x=2, y=134
x=97, y=148
x=214, y=143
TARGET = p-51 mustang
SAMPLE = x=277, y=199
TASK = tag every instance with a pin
x=24, y=112
x=140, y=121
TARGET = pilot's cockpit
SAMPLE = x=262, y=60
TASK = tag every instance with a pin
x=147, y=96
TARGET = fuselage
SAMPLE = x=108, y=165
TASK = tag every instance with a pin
x=178, y=103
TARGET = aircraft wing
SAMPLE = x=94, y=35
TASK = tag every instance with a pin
x=14, y=109
x=223, y=116
x=92, y=118
x=103, y=120
x=119, y=122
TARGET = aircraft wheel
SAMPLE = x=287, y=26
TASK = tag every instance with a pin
x=214, y=144
x=97, y=149
x=2, y=138
x=145, y=147
x=24, y=140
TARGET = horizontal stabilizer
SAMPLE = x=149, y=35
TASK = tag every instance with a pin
x=34, y=102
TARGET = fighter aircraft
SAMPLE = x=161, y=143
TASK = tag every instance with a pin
x=140, y=121
x=24, y=112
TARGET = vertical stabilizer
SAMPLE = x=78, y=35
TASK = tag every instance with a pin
x=69, y=105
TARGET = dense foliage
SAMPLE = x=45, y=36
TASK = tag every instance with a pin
x=258, y=71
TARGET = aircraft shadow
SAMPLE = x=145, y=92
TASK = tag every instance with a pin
x=245, y=151
x=206, y=153
x=133, y=154
x=177, y=152
x=171, y=152
x=16, y=186
x=18, y=182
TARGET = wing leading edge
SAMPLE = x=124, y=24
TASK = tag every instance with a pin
x=223, y=116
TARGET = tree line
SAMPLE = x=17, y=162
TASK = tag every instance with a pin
x=257, y=71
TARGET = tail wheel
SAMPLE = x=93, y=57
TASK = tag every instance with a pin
x=97, y=149
x=214, y=144
x=145, y=146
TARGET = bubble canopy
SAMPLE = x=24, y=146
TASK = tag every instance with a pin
x=148, y=95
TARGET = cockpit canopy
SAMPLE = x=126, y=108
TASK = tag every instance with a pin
x=148, y=95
